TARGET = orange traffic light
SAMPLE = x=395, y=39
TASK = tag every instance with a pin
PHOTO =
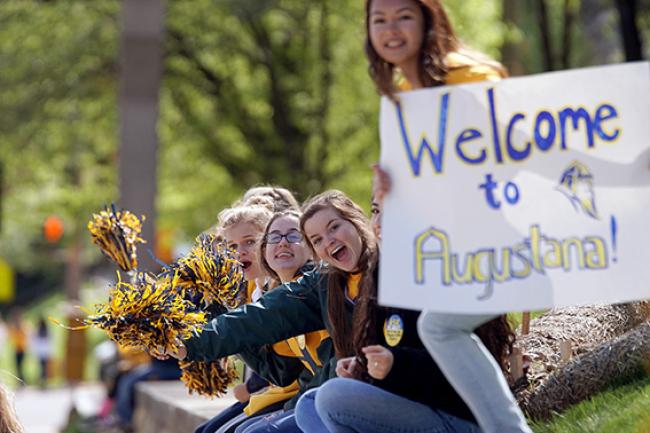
x=53, y=229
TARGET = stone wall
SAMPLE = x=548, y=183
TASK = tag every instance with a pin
x=166, y=407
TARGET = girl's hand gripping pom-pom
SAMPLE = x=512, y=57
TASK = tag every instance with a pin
x=149, y=314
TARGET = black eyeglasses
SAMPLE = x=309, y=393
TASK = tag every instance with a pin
x=293, y=237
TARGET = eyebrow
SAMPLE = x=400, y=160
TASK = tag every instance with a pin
x=405, y=8
x=331, y=221
x=326, y=225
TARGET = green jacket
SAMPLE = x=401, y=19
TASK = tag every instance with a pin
x=289, y=310
x=284, y=370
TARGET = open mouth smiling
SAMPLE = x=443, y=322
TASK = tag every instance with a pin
x=339, y=253
x=284, y=255
x=395, y=43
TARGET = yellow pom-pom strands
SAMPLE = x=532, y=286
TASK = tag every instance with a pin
x=116, y=233
x=149, y=314
x=209, y=379
x=212, y=272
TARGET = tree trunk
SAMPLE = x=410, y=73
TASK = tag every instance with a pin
x=602, y=46
x=325, y=100
x=545, y=36
x=511, y=55
x=567, y=34
x=141, y=53
x=584, y=376
x=633, y=47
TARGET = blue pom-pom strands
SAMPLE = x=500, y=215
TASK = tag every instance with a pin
x=155, y=313
x=151, y=314
x=117, y=233
x=210, y=379
x=212, y=272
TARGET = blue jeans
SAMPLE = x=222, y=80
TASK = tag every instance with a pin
x=125, y=396
x=350, y=406
x=472, y=370
x=213, y=424
x=282, y=421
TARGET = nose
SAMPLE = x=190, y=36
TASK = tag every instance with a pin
x=392, y=27
x=329, y=240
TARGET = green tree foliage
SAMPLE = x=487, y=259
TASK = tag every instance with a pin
x=57, y=129
x=269, y=91
x=254, y=91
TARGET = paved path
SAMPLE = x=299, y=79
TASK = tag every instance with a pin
x=46, y=411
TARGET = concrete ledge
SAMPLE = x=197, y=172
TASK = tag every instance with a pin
x=166, y=407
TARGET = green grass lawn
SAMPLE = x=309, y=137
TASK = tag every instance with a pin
x=621, y=409
x=515, y=318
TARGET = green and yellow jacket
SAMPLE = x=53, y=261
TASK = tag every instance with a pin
x=287, y=311
x=293, y=365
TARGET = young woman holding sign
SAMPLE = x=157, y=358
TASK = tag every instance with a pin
x=415, y=38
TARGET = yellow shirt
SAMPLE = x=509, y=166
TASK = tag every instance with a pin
x=353, y=286
x=18, y=337
x=462, y=69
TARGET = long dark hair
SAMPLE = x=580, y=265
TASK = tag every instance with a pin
x=496, y=335
x=337, y=279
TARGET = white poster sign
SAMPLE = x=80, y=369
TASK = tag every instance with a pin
x=524, y=194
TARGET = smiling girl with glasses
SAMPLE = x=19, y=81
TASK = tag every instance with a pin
x=286, y=256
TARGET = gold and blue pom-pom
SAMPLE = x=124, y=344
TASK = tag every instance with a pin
x=212, y=273
x=117, y=233
x=210, y=379
x=156, y=313
x=151, y=314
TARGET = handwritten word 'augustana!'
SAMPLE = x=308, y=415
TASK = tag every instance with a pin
x=545, y=130
x=486, y=265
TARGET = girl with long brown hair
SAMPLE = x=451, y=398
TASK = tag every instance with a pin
x=411, y=44
x=385, y=375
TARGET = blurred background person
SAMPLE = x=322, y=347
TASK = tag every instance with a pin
x=41, y=347
x=17, y=332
